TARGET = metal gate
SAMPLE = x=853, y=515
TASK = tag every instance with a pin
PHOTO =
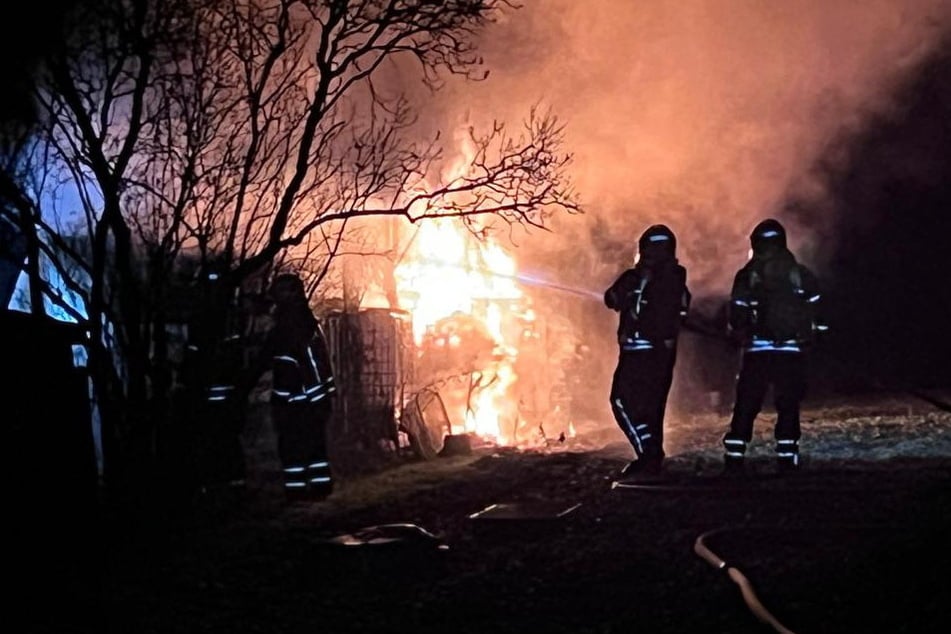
x=372, y=352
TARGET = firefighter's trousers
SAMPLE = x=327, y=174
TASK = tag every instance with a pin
x=301, y=429
x=639, y=390
x=785, y=372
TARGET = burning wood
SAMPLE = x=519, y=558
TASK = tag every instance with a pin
x=469, y=316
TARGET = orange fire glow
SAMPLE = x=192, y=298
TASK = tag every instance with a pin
x=464, y=300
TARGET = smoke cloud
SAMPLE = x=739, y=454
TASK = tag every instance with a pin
x=707, y=116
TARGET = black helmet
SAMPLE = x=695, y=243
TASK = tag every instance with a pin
x=768, y=234
x=287, y=287
x=656, y=242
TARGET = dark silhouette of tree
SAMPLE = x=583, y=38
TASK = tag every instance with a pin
x=241, y=133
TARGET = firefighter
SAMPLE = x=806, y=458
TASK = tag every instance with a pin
x=302, y=391
x=211, y=375
x=652, y=300
x=774, y=317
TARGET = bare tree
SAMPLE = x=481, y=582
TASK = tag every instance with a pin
x=243, y=130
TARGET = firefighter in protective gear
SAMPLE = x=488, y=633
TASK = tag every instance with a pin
x=211, y=374
x=774, y=317
x=302, y=391
x=652, y=300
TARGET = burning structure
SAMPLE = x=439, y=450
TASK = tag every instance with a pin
x=459, y=345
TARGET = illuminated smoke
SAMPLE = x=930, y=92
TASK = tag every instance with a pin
x=704, y=115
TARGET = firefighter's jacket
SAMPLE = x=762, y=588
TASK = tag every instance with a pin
x=749, y=317
x=213, y=363
x=652, y=299
x=302, y=370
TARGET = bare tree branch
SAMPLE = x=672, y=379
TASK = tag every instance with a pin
x=249, y=134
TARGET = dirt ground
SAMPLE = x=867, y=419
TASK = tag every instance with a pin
x=545, y=540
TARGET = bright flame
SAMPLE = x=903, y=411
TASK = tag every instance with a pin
x=449, y=277
x=447, y=271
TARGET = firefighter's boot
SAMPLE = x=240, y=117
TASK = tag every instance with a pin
x=787, y=456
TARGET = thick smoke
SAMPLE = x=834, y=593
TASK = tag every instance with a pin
x=708, y=116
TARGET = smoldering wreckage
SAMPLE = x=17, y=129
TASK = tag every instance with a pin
x=438, y=525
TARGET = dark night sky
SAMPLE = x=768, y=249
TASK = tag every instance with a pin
x=889, y=281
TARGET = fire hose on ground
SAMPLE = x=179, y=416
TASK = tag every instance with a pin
x=702, y=549
x=736, y=576
x=748, y=593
